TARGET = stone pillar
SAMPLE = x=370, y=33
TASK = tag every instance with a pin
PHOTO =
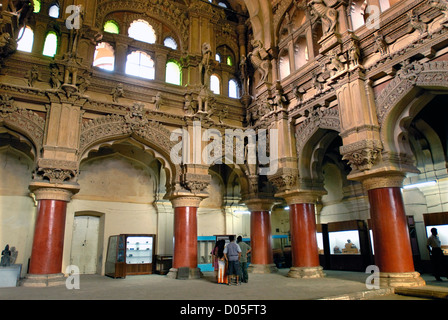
x=393, y=253
x=262, y=260
x=304, y=250
x=45, y=267
x=185, y=236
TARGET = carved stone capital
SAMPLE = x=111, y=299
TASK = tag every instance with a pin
x=302, y=196
x=362, y=155
x=53, y=191
x=56, y=171
x=256, y=204
x=285, y=179
x=384, y=180
x=186, y=201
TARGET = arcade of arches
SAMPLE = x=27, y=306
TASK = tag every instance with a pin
x=96, y=107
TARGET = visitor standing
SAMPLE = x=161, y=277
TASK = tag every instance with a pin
x=245, y=250
x=232, y=253
x=434, y=246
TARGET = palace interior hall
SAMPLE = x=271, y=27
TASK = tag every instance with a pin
x=128, y=132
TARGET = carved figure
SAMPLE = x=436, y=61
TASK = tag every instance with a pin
x=158, y=100
x=354, y=53
x=204, y=66
x=381, y=45
x=33, y=76
x=6, y=257
x=117, y=92
x=260, y=59
x=336, y=63
x=55, y=80
x=416, y=23
x=324, y=11
x=190, y=106
x=223, y=114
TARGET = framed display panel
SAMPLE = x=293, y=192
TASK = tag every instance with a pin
x=130, y=254
x=440, y=222
x=349, y=245
x=206, y=244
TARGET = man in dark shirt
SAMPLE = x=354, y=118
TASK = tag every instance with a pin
x=232, y=253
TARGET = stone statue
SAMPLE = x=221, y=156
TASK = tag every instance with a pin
x=324, y=11
x=158, y=100
x=260, y=59
x=33, y=76
x=381, y=45
x=190, y=106
x=117, y=92
x=354, y=53
x=442, y=5
x=204, y=66
x=6, y=257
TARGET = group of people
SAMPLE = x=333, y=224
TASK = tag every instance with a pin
x=230, y=261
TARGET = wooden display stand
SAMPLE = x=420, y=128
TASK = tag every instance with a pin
x=130, y=254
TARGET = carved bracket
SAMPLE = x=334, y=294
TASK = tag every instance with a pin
x=362, y=155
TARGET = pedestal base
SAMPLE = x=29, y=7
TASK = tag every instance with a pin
x=191, y=273
x=10, y=275
x=262, y=268
x=44, y=280
x=306, y=272
x=405, y=279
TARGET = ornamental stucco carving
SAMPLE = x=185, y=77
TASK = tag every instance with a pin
x=411, y=74
x=362, y=155
x=24, y=121
x=320, y=118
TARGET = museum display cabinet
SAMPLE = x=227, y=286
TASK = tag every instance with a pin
x=439, y=221
x=344, y=245
x=130, y=254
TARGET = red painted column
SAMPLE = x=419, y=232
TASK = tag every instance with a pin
x=48, y=244
x=393, y=251
x=185, y=237
x=304, y=248
x=262, y=259
x=260, y=237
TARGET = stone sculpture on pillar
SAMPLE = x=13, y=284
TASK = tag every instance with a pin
x=260, y=59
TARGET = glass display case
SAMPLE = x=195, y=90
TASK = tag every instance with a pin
x=129, y=254
x=206, y=244
x=348, y=245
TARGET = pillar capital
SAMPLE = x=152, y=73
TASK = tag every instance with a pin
x=186, y=201
x=383, y=180
x=257, y=204
x=302, y=196
x=47, y=191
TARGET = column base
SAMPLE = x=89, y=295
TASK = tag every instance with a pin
x=262, y=268
x=44, y=280
x=183, y=274
x=405, y=279
x=306, y=272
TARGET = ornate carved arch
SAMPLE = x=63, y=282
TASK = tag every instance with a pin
x=318, y=119
x=411, y=76
x=22, y=121
x=404, y=97
x=135, y=125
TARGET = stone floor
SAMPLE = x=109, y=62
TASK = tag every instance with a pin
x=261, y=288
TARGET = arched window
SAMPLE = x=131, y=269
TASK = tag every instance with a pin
x=53, y=11
x=284, y=66
x=140, y=64
x=25, y=43
x=36, y=6
x=218, y=57
x=222, y=4
x=215, y=84
x=50, y=44
x=170, y=43
x=173, y=73
x=233, y=89
x=111, y=27
x=142, y=31
x=301, y=54
x=357, y=13
x=104, y=56
x=229, y=61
